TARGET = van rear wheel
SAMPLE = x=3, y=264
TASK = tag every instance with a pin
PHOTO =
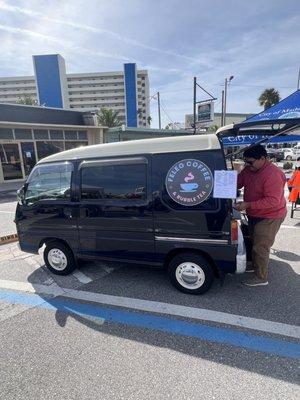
x=190, y=273
x=59, y=259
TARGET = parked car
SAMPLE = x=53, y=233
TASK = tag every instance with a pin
x=296, y=150
x=145, y=201
x=297, y=146
x=289, y=154
x=275, y=154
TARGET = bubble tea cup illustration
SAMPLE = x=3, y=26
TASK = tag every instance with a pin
x=189, y=186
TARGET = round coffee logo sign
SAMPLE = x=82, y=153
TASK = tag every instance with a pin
x=189, y=182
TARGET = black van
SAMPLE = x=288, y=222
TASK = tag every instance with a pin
x=145, y=201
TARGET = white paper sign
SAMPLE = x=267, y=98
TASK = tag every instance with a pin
x=225, y=184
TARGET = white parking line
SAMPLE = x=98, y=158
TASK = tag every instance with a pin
x=82, y=277
x=159, y=307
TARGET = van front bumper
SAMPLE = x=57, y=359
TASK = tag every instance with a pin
x=28, y=247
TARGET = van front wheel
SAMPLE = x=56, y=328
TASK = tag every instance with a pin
x=190, y=273
x=59, y=259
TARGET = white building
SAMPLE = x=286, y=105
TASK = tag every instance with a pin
x=126, y=91
x=107, y=89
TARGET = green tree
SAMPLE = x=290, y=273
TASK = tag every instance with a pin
x=27, y=100
x=213, y=128
x=268, y=98
x=108, y=117
x=149, y=119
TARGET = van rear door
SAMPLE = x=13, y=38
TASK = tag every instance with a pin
x=185, y=212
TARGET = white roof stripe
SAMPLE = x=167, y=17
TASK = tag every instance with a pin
x=143, y=146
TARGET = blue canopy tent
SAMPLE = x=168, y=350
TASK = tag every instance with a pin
x=279, y=123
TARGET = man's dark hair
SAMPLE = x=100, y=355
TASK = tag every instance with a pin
x=256, y=152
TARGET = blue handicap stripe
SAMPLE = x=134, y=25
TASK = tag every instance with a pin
x=227, y=336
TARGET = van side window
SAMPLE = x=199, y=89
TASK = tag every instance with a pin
x=49, y=181
x=124, y=182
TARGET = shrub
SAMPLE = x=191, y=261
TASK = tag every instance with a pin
x=288, y=165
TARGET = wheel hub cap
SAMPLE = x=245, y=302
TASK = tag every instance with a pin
x=57, y=259
x=190, y=275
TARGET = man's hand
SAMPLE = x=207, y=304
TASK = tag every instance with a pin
x=241, y=206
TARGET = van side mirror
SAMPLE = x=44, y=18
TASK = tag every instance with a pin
x=21, y=195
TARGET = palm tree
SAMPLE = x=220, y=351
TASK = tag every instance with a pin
x=268, y=98
x=108, y=117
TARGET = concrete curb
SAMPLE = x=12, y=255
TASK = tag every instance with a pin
x=9, y=238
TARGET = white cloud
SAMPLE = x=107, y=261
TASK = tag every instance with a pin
x=88, y=28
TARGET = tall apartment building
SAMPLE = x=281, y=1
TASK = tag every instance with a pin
x=126, y=91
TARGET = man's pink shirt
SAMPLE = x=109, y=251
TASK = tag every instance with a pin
x=264, y=190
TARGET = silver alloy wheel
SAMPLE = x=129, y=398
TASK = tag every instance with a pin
x=57, y=259
x=190, y=275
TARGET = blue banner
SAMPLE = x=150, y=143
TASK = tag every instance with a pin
x=241, y=140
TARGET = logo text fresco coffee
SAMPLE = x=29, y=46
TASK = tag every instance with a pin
x=189, y=182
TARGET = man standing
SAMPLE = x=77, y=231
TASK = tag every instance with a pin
x=265, y=205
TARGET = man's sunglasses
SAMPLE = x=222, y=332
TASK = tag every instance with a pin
x=249, y=162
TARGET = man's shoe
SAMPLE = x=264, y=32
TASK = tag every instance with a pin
x=255, y=282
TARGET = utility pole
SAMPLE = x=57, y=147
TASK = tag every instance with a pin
x=195, y=89
x=195, y=102
x=225, y=101
x=298, y=84
x=227, y=81
x=222, y=115
x=158, y=105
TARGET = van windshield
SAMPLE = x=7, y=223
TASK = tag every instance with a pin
x=49, y=181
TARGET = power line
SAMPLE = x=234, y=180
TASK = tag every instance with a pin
x=167, y=115
x=220, y=85
x=155, y=96
x=263, y=86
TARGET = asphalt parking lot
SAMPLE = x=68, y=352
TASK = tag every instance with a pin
x=123, y=332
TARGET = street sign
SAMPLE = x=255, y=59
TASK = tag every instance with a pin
x=205, y=112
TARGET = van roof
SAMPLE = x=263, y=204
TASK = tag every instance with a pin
x=142, y=146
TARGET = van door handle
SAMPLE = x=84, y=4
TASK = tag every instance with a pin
x=68, y=213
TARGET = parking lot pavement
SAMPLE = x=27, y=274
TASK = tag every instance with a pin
x=127, y=333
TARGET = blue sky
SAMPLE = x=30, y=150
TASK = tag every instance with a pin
x=256, y=41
